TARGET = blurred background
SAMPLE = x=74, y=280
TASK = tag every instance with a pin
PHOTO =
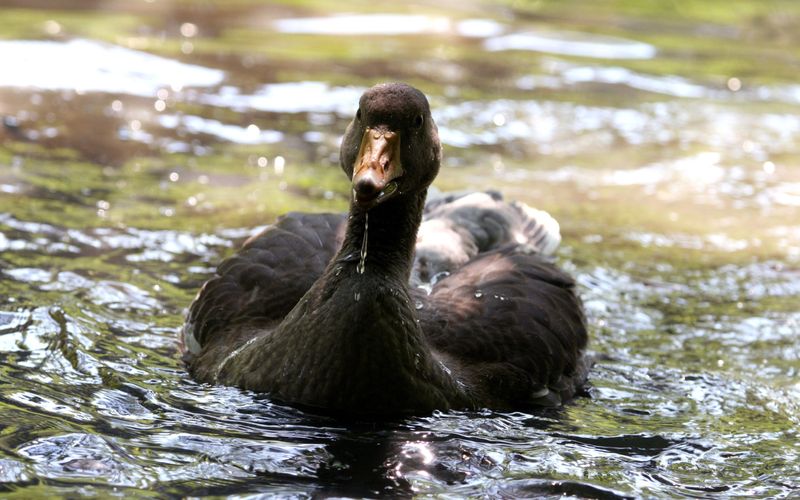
x=142, y=140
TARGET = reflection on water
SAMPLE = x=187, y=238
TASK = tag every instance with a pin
x=291, y=97
x=140, y=144
x=573, y=44
x=669, y=85
x=354, y=25
x=92, y=66
x=231, y=133
x=388, y=24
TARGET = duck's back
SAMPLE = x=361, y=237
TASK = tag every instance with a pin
x=499, y=311
x=512, y=326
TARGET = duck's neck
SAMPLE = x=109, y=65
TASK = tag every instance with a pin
x=381, y=241
x=353, y=341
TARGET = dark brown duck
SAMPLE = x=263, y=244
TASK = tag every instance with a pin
x=318, y=309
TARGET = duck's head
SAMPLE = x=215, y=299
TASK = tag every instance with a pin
x=392, y=146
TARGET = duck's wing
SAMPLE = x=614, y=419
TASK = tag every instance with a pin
x=511, y=324
x=266, y=278
x=458, y=227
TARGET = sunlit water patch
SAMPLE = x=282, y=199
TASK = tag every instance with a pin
x=675, y=86
x=387, y=25
x=559, y=74
x=375, y=24
x=46, y=238
x=250, y=134
x=290, y=97
x=553, y=127
x=92, y=66
x=570, y=129
x=573, y=44
x=703, y=178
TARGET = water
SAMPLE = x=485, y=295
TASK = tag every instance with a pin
x=140, y=144
x=362, y=259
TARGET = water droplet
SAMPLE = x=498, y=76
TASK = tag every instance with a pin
x=362, y=264
x=188, y=30
x=418, y=305
x=52, y=28
x=357, y=296
x=279, y=164
x=478, y=294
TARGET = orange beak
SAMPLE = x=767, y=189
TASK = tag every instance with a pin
x=377, y=167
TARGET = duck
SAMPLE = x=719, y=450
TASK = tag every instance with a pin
x=399, y=307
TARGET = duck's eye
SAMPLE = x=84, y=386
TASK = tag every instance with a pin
x=418, y=121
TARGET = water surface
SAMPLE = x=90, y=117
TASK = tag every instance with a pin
x=142, y=142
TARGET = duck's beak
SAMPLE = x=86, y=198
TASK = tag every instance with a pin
x=377, y=167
